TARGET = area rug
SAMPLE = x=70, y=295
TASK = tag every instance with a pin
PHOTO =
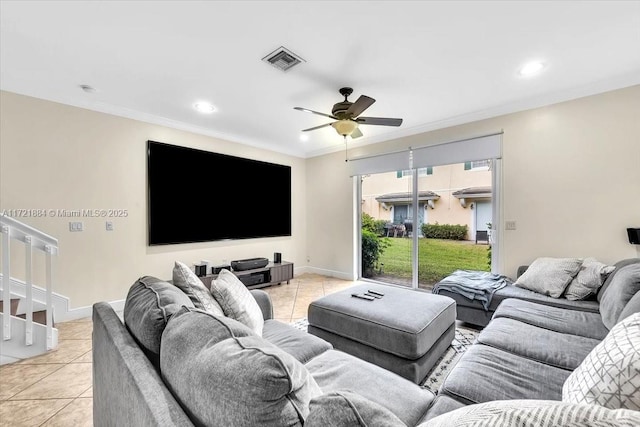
x=464, y=337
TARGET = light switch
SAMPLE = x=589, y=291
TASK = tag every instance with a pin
x=509, y=225
x=76, y=226
x=109, y=225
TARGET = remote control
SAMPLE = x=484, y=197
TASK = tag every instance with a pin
x=368, y=293
x=362, y=296
x=375, y=293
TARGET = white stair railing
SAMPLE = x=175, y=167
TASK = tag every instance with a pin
x=34, y=240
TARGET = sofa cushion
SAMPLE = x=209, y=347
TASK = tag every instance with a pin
x=485, y=373
x=549, y=276
x=553, y=348
x=149, y=305
x=299, y=344
x=633, y=306
x=610, y=375
x=588, y=280
x=534, y=413
x=346, y=409
x=187, y=281
x=618, y=265
x=624, y=285
x=223, y=374
x=574, y=322
x=236, y=301
x=334, y=371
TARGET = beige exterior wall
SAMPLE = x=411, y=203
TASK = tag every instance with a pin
x=54, y=156
x=571, y=182
x=443, y=181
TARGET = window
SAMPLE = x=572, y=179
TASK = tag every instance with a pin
x=478, y=165
x=421, y=172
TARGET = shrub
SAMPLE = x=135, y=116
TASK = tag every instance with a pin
x=373, y=225
x=445, y=231
x=372, y=247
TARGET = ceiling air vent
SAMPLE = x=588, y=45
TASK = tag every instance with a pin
x=283, y=59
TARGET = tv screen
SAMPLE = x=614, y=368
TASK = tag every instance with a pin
x=200, y=196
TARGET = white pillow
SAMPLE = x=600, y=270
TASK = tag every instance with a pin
x=236, y=301
x=533, y=413
x=549, y=276
x=187, y=281
x=610, y=374
x=588, y=280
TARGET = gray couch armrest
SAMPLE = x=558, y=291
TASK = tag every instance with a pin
x=264, y=301
x=127, y=389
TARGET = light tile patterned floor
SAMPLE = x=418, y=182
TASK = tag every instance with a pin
x=55, y=389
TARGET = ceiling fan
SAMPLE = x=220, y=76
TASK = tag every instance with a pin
x=347, y=115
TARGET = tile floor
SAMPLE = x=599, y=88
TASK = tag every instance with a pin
x=55, y=389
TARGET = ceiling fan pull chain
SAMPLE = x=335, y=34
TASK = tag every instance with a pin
x=346, y=159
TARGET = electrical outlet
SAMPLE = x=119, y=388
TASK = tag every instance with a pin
x=109, y=225
x=76, y=226
x=509, y=225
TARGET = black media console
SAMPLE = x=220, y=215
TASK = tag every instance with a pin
x=271, y=274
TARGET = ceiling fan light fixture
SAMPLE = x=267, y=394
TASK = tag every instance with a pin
x=345, y=127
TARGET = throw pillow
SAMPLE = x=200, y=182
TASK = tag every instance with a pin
x=588, y=280
x=624, y=285
x=236, y=301
x=533, y=413
x=549, y=276
x=346, y=409
x=610, y=374
x=149, y=305
x=223, y=374
x=190, y=284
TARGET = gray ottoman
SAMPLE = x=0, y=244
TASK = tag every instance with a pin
x=405, y=331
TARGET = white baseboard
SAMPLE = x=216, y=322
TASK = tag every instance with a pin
x=324, y=272
x=61, y=310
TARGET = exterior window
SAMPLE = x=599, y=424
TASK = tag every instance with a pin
x=421, y=172
x=478, y=165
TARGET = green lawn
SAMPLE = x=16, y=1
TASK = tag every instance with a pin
x=437, y=259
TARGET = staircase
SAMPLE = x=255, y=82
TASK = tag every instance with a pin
x=27, y=324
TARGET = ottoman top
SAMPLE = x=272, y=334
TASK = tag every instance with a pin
x=403, y=322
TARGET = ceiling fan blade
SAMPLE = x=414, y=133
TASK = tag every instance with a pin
x=317, y=127
x=382, y=121
x=356, y=134
x=306, y=110
x=359, y=106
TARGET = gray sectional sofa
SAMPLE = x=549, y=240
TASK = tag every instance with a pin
x=531, y=346
x=170, y=364
x=174, y=365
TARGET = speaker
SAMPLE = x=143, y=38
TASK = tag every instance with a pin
x=634, y=235
x=201, y=270
x=277, y=257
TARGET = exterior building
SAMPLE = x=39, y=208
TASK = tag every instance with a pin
x=449, y=194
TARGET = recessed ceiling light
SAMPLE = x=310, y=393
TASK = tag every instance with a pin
x=204, y=107
x=531, y=68
x=304, y=137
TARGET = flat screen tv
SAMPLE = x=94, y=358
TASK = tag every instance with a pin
x=200, y=196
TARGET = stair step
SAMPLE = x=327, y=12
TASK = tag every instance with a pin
x=38, y=317
x=13, y=308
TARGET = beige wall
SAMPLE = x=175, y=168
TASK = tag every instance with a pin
x=571, y=181
x=54, y=156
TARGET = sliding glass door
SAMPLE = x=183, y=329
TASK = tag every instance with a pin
x=386, y=232
x=430, y=215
